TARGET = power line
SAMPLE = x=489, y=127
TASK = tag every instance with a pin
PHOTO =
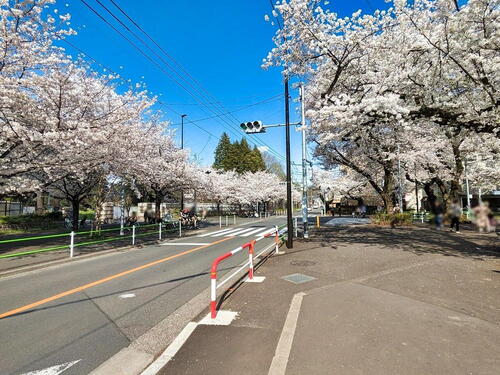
x=219, y=107
x=210, y=134
x=265, y=101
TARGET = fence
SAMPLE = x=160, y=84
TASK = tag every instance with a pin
x=71, y=239
x=250, y=263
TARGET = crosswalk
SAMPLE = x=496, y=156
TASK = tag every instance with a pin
x=240, y=232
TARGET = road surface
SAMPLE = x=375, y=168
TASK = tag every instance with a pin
x=79, y=314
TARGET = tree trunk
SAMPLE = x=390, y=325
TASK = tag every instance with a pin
x=158, y=200
x=431, y=197
x=75, y=204
x=455, y=185
x=387, y=193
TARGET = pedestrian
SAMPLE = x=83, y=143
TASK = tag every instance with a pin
x=483, y=221
x=438, y=215
x=455, y=212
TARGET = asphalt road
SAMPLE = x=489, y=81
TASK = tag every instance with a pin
x=93, y=323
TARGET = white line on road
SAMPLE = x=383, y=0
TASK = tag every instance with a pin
x=238, y=232
x=252, y=232
x=264, y=232
x=127, y=295
x=185, y=243
x=217, y=232
x=54, y=370
x=280, y=359
x=172, y=349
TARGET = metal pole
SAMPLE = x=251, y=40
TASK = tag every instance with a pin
x=467, y=188
x=296, y=227
x=71, y=244
x=122, y=217
x=400, y=190
x=480, y=196
x=234, y=219
x=180, y=228
x=182, y=148
x=133, y=234
x=220, y=221
x=416, y=189
x=304, y=161
x=289, y=239
x=159, y=231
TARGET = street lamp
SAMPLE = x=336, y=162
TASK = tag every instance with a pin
x=182, y=147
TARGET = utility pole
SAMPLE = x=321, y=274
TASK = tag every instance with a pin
x=182, y=148
x=304, y=161
x=289, y=241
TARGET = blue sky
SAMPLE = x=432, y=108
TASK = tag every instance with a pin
x=220, y=43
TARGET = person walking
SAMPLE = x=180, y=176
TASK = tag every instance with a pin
x=438, y=215
x=483, y=220
x=455, y=212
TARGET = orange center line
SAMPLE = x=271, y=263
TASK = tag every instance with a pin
x=104, y=280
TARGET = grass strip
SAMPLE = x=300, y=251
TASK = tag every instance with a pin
x=35, y=238
x=34, y=251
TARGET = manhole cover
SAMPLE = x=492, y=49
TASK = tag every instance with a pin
x=298, y=278
x=303, y=263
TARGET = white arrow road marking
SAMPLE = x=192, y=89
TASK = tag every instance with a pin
x=54, y=370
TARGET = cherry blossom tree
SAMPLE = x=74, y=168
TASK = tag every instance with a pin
x=407, y=86
x=27, y=30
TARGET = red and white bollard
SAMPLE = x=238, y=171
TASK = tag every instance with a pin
x=250, y=246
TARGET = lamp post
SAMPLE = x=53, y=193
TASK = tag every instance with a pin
x=182, y=148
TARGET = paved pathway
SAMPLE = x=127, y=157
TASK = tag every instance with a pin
x=361, y=300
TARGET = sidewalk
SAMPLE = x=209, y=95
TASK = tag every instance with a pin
x=380, y=301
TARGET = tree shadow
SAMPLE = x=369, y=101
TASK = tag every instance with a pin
x=415, y=239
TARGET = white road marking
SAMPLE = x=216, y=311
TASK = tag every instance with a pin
x=185, y=243
x=240, y=231
x=280, y=359
x=127, y=295
x=216, y=232
x=264, y=232
x=252, y=232
x=54, y=370
x=172, y=349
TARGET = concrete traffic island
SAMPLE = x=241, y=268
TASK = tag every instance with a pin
x=361, y=300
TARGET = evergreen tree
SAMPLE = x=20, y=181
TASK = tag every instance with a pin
x=237, y=156
x=257, y=162
x=222, y=152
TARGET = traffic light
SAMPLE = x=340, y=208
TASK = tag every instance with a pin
x=253, y=127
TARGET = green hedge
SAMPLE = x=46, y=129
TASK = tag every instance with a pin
x=380, y=218
x=31, y=218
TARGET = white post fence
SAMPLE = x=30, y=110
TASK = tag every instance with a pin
x=72, y=244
